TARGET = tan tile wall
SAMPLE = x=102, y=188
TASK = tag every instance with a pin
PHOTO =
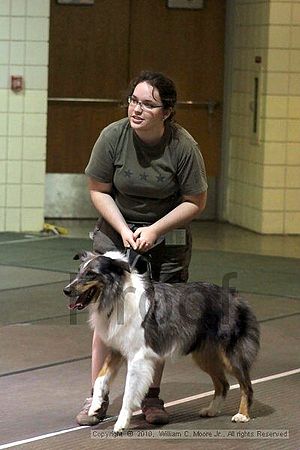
x=24, y=26
x=264, y=173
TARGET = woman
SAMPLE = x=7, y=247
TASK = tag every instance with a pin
x=147, y=180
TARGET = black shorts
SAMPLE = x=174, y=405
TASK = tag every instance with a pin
x=169, y=263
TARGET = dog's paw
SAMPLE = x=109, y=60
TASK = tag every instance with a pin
x=122, y=423
x=240, y=418
x=208, y=412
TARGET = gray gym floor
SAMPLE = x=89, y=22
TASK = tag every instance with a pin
x=45, y=351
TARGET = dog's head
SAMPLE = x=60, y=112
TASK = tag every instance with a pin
x=97, y=275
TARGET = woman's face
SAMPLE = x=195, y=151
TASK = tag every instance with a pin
x=142, y=118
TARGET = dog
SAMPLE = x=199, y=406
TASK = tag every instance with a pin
x=143, y=322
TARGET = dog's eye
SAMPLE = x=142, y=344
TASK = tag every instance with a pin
x=90, y=274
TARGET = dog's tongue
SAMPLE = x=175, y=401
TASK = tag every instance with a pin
x=75, y=305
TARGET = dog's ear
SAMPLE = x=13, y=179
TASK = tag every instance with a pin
x=82, y=255
x=109, y=265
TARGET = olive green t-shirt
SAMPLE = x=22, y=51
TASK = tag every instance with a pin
x=148, y=181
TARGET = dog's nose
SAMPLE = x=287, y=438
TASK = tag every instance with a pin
x=67, y=291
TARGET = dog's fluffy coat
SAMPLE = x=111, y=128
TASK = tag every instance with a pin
x=144, y=321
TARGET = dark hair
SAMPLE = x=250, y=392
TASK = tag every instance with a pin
x=164, y=85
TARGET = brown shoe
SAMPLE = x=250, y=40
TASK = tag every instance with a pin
x=84, y=419
x=154, y=411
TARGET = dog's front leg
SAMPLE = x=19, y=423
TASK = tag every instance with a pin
x=109, y=370
x=139, y=377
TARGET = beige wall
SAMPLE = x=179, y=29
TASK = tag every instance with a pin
x=24, y=30
x=264, y=170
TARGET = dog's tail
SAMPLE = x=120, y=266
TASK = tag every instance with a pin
x=244, y=341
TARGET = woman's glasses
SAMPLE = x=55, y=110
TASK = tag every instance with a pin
x=133, y=101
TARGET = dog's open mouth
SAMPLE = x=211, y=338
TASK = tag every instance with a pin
x=83, y=300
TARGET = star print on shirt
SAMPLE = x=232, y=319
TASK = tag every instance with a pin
x=128, y=173
x=144, y=176
x=160, y=178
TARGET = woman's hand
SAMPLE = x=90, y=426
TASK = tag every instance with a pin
x=145, y=238
x=128, y=238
